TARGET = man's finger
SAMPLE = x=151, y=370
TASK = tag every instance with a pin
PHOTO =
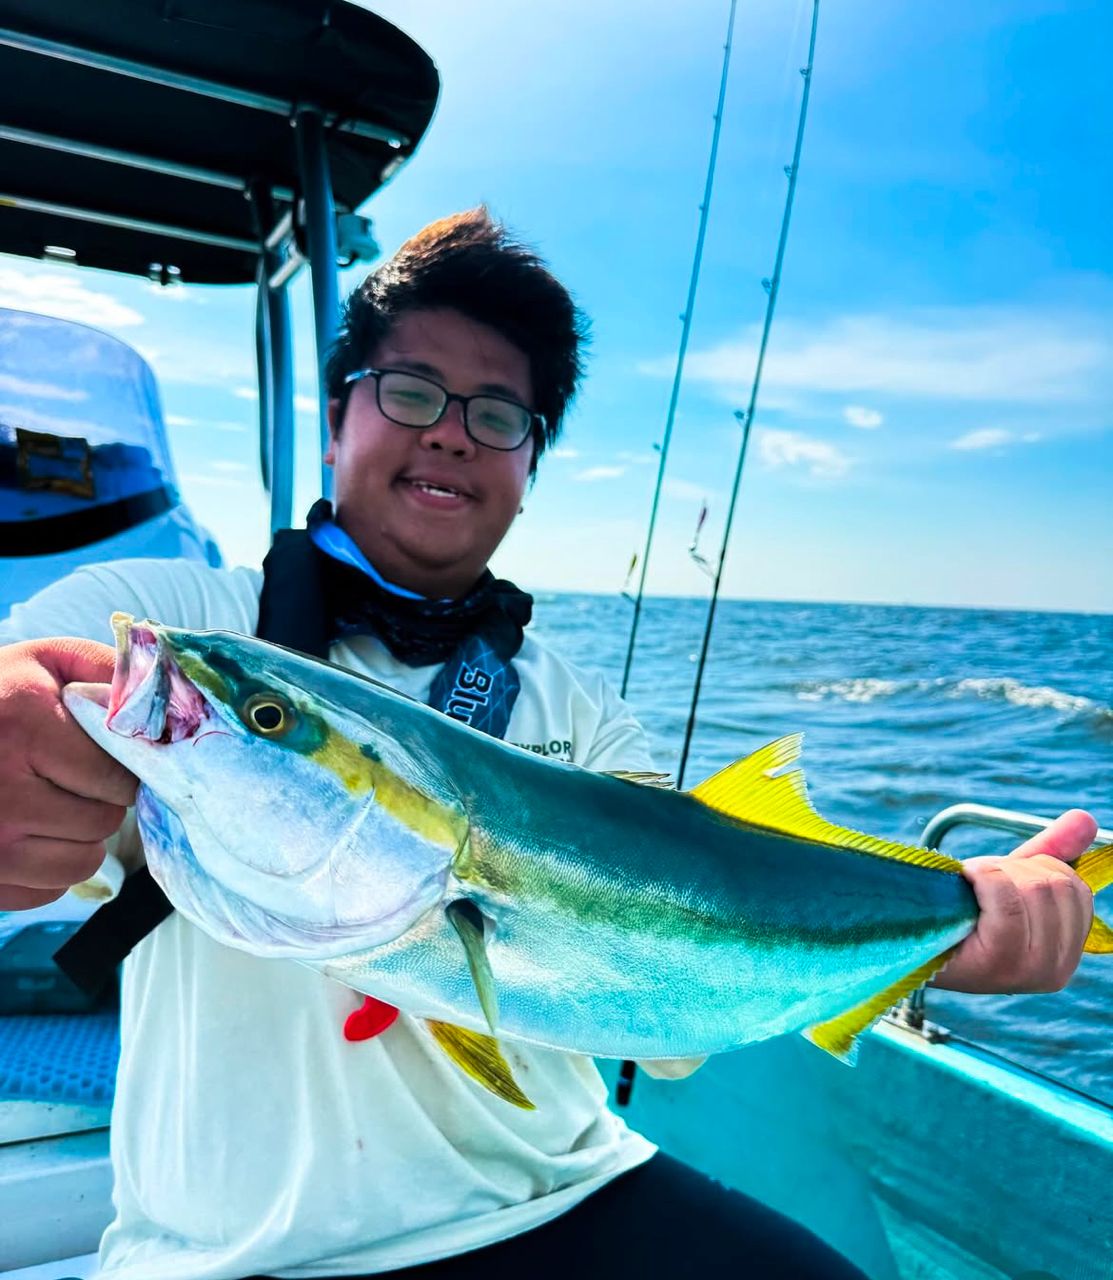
x=71, y=659
x=1068, y=837
x=39, y=737
x=55, y=865
x=61, y=815
x=13, y=898
x=83, y=769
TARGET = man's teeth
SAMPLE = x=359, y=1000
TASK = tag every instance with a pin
x=436, y=488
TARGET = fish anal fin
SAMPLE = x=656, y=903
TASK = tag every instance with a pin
x=839, y=1036
x=480, y=1057
x=663, y=780
x=470, y=924
x=751, y=791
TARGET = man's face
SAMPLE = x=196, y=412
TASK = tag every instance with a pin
x=428, y=506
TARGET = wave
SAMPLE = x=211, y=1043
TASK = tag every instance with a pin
x=1026, y=695
x=863, y=689
x=992, y=689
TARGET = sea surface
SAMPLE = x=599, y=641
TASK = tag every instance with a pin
x=905, y=711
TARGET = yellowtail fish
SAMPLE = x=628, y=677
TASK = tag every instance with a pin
x=293, y=809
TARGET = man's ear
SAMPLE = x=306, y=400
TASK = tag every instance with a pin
x=335, y=417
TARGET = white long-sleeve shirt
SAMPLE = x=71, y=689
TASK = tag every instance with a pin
x=248, y=1136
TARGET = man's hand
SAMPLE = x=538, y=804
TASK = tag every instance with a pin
x=1035, y=914
x=61, y=796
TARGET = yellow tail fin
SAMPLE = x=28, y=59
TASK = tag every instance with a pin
x=1096, y=869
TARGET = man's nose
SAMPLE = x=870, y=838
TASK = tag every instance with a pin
x=448, y=432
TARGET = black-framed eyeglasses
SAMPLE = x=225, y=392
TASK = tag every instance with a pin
x=410, y=400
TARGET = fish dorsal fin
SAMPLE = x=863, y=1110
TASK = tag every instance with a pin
x=662, y=780
x=840, y=1035
x=751, y=791
x=470, y=924
x=481, y=1058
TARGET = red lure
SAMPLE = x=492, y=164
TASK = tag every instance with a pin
x=371, y=1019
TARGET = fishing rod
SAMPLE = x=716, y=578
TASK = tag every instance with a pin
x=686, y=329
x=625, y=1081
x=746, y=416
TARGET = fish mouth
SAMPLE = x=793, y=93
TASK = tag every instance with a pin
x=150, y=697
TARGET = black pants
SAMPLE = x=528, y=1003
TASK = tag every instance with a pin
x=661, y=1219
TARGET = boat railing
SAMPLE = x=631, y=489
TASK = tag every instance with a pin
x=911, y=1012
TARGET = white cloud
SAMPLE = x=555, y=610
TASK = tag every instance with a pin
x=601, y=473
x=984, y=438
x=685, y=490
x=35, y=420
x=977, y=354
x=858, y=415
x=175, y=293
x=39, y=390
x=65, y=296
x=195, y=361
x=177, y=420
x=208, y=480
x=304, y=404
x=778, y=448
x=562, y=451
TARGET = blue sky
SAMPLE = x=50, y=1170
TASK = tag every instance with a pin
x=936, y=421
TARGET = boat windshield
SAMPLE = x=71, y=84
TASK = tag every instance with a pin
x=83, y=449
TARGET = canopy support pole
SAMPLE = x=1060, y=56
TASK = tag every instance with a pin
x=320, y=222
x=274, y=353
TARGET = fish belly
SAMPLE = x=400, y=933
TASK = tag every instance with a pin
x=611, y=994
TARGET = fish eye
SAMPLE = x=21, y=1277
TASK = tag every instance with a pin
x=268, y=715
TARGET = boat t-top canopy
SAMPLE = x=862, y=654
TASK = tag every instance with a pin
x=208, y=141
x=135, y=131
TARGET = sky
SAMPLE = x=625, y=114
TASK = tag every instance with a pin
x=935, y=421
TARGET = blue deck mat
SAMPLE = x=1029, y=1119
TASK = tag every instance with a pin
x=68, y=1058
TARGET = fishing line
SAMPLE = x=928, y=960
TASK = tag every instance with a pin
x=746, y=417
x=686, y=328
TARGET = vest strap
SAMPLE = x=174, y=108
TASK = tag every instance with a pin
x=90, y=955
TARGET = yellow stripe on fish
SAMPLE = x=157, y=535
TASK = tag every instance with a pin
x=361, y=770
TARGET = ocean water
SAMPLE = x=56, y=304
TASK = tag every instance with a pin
x=904, y=711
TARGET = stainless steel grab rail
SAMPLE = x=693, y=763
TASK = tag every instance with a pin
x=910, y=1012
x=984, y=815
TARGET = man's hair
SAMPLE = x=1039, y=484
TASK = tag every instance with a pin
x=469, y=262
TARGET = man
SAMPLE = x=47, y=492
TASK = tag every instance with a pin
x=250, y=1137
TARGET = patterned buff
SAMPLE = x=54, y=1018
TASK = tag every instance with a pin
x=475, y=637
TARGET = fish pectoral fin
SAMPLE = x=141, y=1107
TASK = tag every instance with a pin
x=471, y=925
x=1096, y=869
x=751, y=791
x=840, y=1035
x=663, y=780
x=481, y=1058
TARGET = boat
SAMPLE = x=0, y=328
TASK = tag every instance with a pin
x=85, y=468
x=199, y=161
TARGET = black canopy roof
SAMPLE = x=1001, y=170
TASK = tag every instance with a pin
x=131, y=129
